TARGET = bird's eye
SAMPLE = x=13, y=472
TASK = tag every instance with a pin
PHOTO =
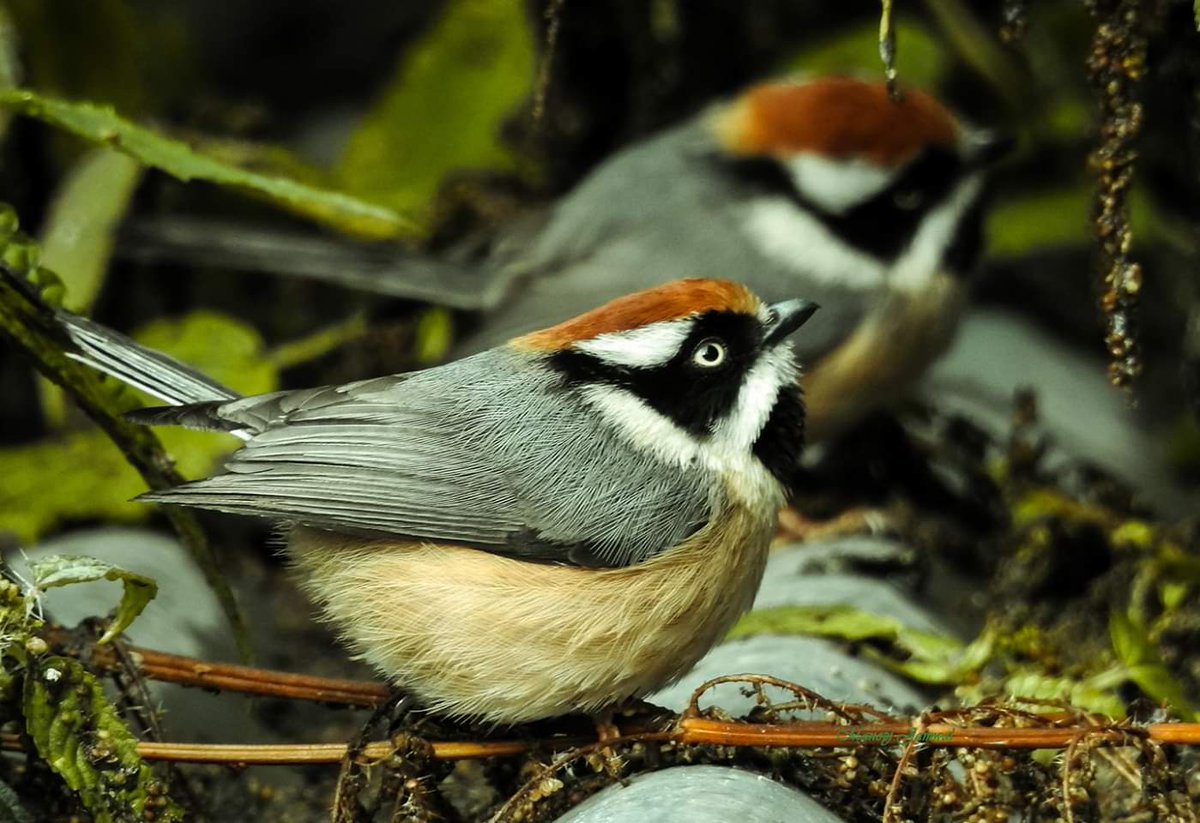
x=908, y=199
x=709, y=353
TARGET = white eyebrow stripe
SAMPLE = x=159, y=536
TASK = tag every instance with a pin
x=837, y=185
x=646, y=347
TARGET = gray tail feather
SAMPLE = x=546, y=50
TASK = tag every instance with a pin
x=135, y=365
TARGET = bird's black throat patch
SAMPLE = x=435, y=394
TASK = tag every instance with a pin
x=781, y=440
x=884, y=224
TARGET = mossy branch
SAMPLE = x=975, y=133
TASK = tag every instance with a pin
x=27, y=318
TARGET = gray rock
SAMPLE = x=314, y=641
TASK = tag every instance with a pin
x=699, y=794
x=997, y=352
x=792, y=579
x=184, y=618
x=842, y=554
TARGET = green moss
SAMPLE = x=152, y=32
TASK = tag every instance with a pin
x=78, y=733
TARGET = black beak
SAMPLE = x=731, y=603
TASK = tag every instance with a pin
x=989, y=147
x=786, y=317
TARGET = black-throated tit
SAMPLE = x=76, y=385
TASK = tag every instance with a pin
x=557, y=524
x=825, y=187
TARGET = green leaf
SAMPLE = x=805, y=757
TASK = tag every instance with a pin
x=78, y=733
x=78, y=236
x=1093, y=694
x=224, y=348
x=101, y=125
x=1144, y=666
x=64, y=570
x=10, y=69
x=929, y=657
x=443, y=109
x=435, y=334
x=921, y=59
x=78, y=233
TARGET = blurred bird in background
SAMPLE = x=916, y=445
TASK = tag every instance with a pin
x=870, y=205
x=827, y=187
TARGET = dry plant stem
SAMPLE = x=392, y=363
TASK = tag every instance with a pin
x=808, y=699
x=352, y=776
x=188, y=671
x=1116, y=66
x=553, y=15
x=887, y=48
x=689, y=732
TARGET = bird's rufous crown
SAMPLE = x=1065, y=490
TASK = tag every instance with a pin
x=837, y=117
x=670, y=301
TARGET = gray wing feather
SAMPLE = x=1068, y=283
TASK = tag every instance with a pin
x=480, y=452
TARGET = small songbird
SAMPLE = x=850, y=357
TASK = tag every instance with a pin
x=558, y=524
x=826, y=187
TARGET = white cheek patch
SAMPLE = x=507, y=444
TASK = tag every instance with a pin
x=922, y=260
x=642, y=426
x=729, y=448
x=794, y=239
x=837, y=185
x=737, y=433
x=646, y=347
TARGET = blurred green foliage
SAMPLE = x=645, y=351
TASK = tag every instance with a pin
x=920, y=655
x=82, y=475
x=78, y=234
x=921, y=59
x=1142, y=663
x=96, y=49
x=101, y=125
x=443, y=109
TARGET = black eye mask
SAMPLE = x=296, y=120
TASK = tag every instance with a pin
x=881, y=226
x=692, y=396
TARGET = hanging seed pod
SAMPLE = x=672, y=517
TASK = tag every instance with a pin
x=1116, y=65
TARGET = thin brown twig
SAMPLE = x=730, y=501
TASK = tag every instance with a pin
x=810, y=699
x=890, y=807
x=690, y=732
x=188, y=671
x=553, y=14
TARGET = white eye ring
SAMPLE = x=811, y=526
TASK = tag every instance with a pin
x=709, y=353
